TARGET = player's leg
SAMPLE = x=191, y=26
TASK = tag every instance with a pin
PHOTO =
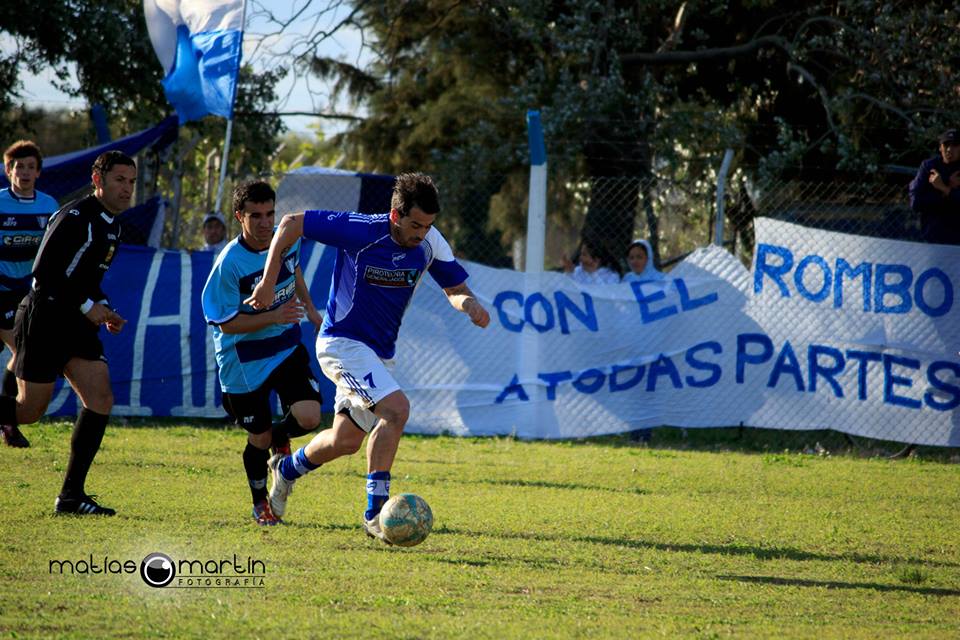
x=10, y=433
x=43, y=345
x=91, y=380
x=252, y=412
x=343, y=438
x=9, y=385
x=300, y=398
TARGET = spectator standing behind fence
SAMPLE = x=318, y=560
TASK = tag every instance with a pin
x=935, y=192
x=24, y=212
x=596, y=265
x=641, y=269
x=214, y=232
x=640, y=263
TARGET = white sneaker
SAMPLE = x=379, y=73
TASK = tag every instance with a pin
x=281, y=488
x=372, y=529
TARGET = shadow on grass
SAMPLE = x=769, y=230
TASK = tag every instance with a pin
x=539, y=484
x=761, y=553
x=832, y=584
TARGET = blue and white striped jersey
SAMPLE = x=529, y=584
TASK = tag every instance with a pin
x=374, y=277
x=22, y=223
x=246, y=360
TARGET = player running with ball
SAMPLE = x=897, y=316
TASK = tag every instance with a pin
x=380, y=260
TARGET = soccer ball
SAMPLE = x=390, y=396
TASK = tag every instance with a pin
x=406, y=520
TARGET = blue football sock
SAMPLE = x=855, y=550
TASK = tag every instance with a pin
x=296, y=465
x=378, y=491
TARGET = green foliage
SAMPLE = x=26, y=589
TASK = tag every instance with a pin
x=652, y=90
x=592, y=539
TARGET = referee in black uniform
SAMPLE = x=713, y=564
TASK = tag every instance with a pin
x=57, y=324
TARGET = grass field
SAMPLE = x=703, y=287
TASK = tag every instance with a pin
x=595, y=539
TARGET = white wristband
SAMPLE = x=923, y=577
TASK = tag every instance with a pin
x=86, y=306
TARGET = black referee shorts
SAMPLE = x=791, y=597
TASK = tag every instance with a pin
x=48, y=335
x=292, y=380
x=9, y=301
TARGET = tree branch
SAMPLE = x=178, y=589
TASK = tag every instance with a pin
x=702, y=55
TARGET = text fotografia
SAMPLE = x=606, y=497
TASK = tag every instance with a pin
x=159, y=570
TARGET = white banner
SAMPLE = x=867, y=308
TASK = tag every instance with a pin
x=829, y=331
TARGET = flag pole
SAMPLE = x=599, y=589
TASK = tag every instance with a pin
x=226, y=142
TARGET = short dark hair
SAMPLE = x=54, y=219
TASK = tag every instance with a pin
x=109, y=159
x=254, y=191
x=415, y=190
x=22, y=149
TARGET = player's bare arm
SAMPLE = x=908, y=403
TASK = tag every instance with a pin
x=289, y=312
x=462, y=299
x=303, y=293
x=289, y=231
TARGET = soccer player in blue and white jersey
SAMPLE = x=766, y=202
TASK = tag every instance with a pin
x=380, y=261
x=24, y=213
x=259, y=350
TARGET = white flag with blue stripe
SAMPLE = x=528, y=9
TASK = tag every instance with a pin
x=199, y=43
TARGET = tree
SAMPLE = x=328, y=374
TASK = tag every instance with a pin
x=638, y=95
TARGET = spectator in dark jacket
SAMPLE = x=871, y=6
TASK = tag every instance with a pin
x=935, y=192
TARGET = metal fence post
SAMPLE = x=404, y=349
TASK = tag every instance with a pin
x=721, y=188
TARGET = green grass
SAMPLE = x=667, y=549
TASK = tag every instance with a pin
x=594, y=539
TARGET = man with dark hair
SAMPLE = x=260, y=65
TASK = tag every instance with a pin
x=259, y=350
x=57, y=323
x=935, y=192
x=380, y=260
x=24, y=212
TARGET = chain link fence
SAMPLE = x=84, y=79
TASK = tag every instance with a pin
x=486, y=222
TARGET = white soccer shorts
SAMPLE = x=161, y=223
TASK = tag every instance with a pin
x=361, y=377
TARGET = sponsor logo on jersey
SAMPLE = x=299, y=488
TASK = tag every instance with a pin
x=111, y=236
x=21, y=240
x=10, y=222
x=380, y=277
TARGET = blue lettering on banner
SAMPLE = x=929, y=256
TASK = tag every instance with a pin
x=537, y=311
x=621, y=377
x=827, y=364
x=942, y=386
x=703, y=365
x=650, y=294
x=886, y=288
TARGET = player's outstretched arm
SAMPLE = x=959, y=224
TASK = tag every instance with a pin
x=462, y=299
x=289, y=231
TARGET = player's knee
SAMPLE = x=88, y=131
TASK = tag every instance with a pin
x=260, y=440
x=309, y=418
x=348, y=442
x=395, y=410
x=29, y=413
x=101, y=401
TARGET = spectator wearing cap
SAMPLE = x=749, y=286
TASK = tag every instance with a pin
x=935, y=192
x=214, y=232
